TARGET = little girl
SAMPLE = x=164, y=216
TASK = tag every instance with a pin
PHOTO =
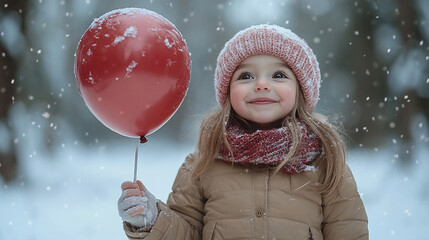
x=266, y=166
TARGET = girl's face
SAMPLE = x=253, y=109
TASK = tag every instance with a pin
x=263, y=91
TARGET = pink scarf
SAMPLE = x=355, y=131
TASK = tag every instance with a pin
x=270, y=147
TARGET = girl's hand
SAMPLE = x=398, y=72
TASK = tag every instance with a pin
x=137, y=205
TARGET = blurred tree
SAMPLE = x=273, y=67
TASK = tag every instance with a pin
x=414, y=103
x=9, y=61
x=390, y=88
x=360, y=59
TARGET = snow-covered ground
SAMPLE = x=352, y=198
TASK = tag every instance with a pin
x=395, y=195
x=72, y=193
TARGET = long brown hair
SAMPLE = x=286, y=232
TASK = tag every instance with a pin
x=212, y=137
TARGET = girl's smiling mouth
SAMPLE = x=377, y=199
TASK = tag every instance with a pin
x=262, y=100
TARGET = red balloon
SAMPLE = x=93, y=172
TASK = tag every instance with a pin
x=132, y=69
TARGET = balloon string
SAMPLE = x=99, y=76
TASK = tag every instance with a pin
x=142, y=140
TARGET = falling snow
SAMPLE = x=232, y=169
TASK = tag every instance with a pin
x=46, y=115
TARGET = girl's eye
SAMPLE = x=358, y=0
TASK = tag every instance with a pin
x=279, y=75
x=245, y=76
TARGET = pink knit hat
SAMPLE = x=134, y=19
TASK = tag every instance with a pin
x=270, y=40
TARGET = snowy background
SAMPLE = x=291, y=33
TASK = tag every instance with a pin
x=61, y=169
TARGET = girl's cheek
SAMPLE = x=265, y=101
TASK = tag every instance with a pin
x=235, y=94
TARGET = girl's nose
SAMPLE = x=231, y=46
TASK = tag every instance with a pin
x=262, y=85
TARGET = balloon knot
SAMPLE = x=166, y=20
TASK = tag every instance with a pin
x=143, y=139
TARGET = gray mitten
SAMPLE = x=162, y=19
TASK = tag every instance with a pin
x=137, y=205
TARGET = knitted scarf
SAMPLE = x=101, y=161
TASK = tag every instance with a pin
x=270, y=147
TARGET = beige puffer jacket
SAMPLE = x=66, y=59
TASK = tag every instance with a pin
x=248, y=202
